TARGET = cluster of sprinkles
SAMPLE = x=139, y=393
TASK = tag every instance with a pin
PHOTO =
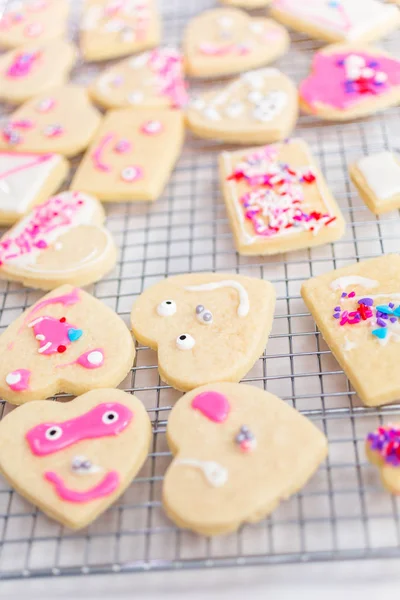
x=167, y=65
x=362, y=74
x=275, y=206
x=386, y=442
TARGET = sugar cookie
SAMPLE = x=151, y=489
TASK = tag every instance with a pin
x=73, y=460
x=132, y=155
x=377, y=178
x=258, y=107
x=338, y=20
x=110, y=29
x=224, y=41
x=34, y=69
x=205, y=327
x=67, y=342
x=247, y=4
x=27, y=179
x=154, y=78
x=46, y=123
x=238, y=452
x=60, y=241
x=357, y=311
x=277, y=199
x=40, y=20
x=348, y=82
x=382, y=448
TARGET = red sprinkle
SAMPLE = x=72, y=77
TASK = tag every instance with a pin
x=62, y=320
x=61, y=349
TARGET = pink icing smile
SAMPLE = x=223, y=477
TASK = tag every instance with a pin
x=18, y=380
x=342, y=80
x=107, y=486
x=105, y=420
x=213, y=405
x=97, y=155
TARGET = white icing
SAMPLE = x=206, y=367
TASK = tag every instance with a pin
x=95, y=357
x=382, y=174
x=244, y=303
x=211, y=113
x=185, y=341
x=19, y=190
x=135, y=97
x=166, y=308
x=341, y=283
x=349, y=18
x=270, y=106
x=234, y=109
x=13, y=378
x=348, y=345
x=216, y=474
x=139, y=61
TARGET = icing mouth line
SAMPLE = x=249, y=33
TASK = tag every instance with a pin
x=107, y=486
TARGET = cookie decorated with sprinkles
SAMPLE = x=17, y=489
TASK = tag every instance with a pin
x=357, y=309
x=382, y=447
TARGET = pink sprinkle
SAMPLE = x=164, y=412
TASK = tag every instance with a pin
x=352, y=294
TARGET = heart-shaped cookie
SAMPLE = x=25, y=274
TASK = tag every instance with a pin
x=40, y=20
x=75, y=459
x=223, y=41
x=60, y=241
x=350, y=81
x=47, y=124
x=35, y=68
x=154, y=78
x=238, y=452
x=132, y=155
x=27, y=179
x=205, y=327
x=67, y=342
x=111, y=28
x=382, y=450
x=257, y=107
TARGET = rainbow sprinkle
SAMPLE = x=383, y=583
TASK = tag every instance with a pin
x=386, y=442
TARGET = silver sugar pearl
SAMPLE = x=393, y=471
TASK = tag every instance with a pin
x=199, y=309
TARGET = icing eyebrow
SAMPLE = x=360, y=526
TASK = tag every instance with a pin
x=244, y=303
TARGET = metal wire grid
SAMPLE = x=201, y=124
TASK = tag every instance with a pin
x=343, y=512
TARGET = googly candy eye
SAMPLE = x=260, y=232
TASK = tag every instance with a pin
x=131, y=174
x=166, y=308
x=111, y=416
x=185, y=341
x=53, y=433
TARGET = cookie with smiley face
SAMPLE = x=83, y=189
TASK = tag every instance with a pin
x=33, y=20
x=238, y=452
x=60, y=241
x=224, y=41
x=47, y=124
x=67, y=342
x=73, y=460
x=34, y=69
x=205, y=327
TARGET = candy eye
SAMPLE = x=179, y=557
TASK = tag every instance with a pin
x=185, y=341
x=110, y=417
x=53, y=433
x=204, y=316
x=166, y=308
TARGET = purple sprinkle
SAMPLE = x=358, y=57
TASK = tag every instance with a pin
x=391, y=305
x=366, y=301
x=381, y=323
x=344, y=295
x=385, y=316
x=393, y=319
x=379, y=313
x=336, y=316
x=337, y=308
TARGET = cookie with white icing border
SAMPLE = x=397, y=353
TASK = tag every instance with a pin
x=73, y=460
x=338, y=21
x=277, y=199
x=34, y=20
x=35, y=68
x=27, y=179
x=68, y=341
x=60, y=241
x=258, y=107
x=225, y=41
x=205, y=327
x=46, y=123
x=349, y=81
x=238, y=452
x=357, y=310
x=382, y=450
x=154, y=78
x=132, y=155
x=111, y=29
x=377, y=179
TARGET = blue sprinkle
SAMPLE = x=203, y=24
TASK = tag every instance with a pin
x=74, y=334
x=380, y=333
x=383, y=308
x=396, y=311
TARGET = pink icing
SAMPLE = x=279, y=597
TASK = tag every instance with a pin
x=97, y=154
x=23, y=64
x=18, y=380
x=92, y=359
x=66, y=300
x=152, y=128
x=167, y=65
x=37, y=159
x=52, y=334
x=105, y=420
x=213, y=405
x=107, y=486
x=53, y=131
x=123, y=146
x=334, y=80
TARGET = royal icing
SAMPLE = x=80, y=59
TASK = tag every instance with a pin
x=23, y=64
x=54, y=335
x=244, y=303
x=213, y=405
x=345, y=79
x=107, y=486
x=18, y=381
x=130, y=173
x=385, y=441
x=216, y=474
x=382, y=173
x=341, y=283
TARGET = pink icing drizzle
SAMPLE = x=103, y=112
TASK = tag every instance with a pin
x=107, y=486
x=329, y=85
x=23, y=64
x=88, y=360
x=52, y=333
x=97, y=154
x=36, y=160
x=213, y=405
x=18, y=380
x=95, y=423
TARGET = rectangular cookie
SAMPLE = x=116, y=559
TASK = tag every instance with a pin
x=377, y=179
x=277, y=199
x=357, y=309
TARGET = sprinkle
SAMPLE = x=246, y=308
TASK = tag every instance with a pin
x=337, y=308
x=344, y=295
x=381, y=322
x=393, y=320
x=61, y=349
x=352, y=294
x=366, y=301
x=384, y=309
x=380, y=333
x=62, y=320
x=336, y=316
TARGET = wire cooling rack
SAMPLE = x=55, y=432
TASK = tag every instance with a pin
x=343, y=512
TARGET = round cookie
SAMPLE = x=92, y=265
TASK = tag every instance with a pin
x=238, y=452
x=225, y=41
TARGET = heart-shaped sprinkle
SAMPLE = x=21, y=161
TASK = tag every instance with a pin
x=74, y=334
